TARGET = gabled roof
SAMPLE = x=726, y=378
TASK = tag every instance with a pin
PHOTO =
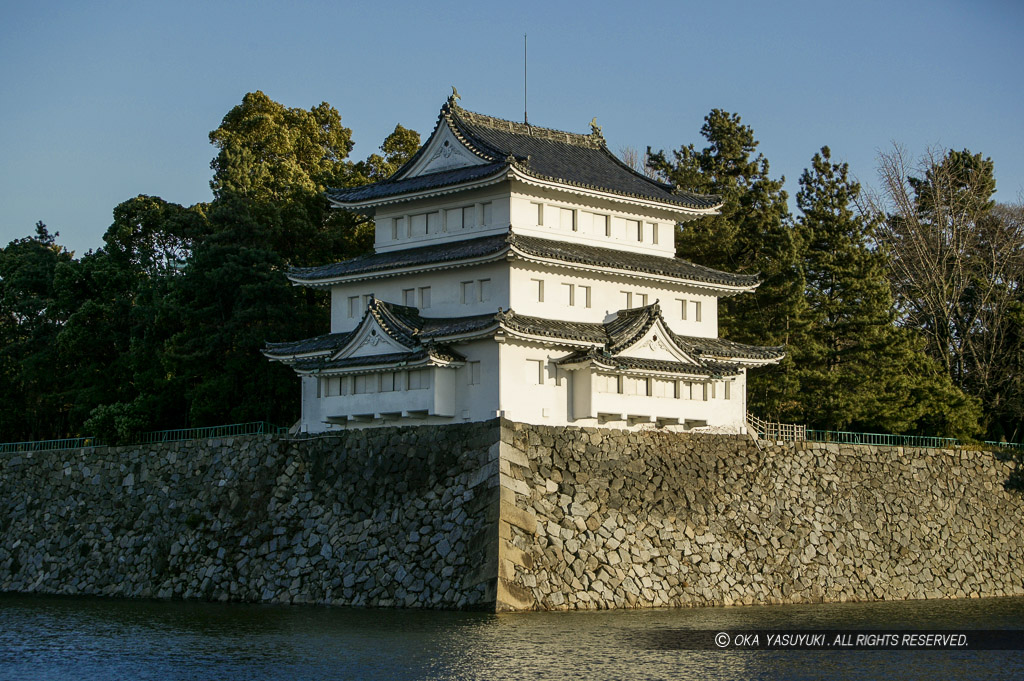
x=484, y=249
x=429, y=340
x=426, y=338
x=611, y=338
x=528, y=151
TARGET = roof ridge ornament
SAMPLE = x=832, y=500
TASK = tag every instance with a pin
x=454, y=97
x=595, y=130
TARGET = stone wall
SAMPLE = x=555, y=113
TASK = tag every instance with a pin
x=389, y=517
x=600, y=519
x=506, y=516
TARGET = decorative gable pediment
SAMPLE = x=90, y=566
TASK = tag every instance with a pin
x=370, y=339
x=443, y=151
x=657, y=344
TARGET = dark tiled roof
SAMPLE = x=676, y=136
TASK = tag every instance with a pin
x=640, y=364
x=496, y=244
x=570, y=158
x=628, y=327
x=581, y=160
x=624, y=260
x=410, y=257
x=439, y=352
x=402, y=323
x=393, y=187
x=455, y=326
x=711, y=348
x=587, y=332
x=325, y=344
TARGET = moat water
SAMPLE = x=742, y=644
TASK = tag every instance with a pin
x=91, y=638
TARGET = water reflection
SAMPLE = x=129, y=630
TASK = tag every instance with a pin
x=70, y=638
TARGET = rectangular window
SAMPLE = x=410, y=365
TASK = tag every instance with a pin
x=570, y=294
x=696, y=310
x=682, y=308
x=366, y=300
x=387, y=382
x=333, y=387
x=484, y=290
x=418, y=226
x=488, y=216
x=727, y=390
x=585, y=294
x=433, y=223
x=409, y=297
x=714, y=390
x=641, y=299
x=394, y=229
x=685, y=390
x=365, y=384
x=704, y=392
x=637, y=386
x=629, y=298
x=540, y=289
x=535, y=372
x=401, y=228
x=473, y=372
x=419, y=379
x=453, y=220
x=540, y=214
x=424, y=297
x=664, y=388
x=635, y=230
x=467, y=292
x=469, y=217
x=602, y=226
x=567, y=219
x=353, y=307
x=654, y=232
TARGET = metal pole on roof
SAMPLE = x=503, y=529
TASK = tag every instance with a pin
x=525, y=119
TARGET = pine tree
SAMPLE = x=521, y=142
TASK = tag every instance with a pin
x=751, y=235
x=856, y=368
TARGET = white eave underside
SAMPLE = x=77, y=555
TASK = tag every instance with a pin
x=686, y=213
x=512, y=252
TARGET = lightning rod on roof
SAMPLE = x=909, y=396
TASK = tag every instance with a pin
x=525, y=119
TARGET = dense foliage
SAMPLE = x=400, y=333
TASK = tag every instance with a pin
x=899, y=312
x=162, y=326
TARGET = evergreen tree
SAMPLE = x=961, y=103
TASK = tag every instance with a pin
x=855, y=367
x=750, y=235
x=269, y=213
x=113, y=340
x=33, y=400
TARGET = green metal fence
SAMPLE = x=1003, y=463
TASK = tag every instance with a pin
x=254, y=428
x=40, y=445
x=176, y=435
x=885, y=439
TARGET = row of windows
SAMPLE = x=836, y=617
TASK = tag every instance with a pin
x=662, y=387
x=596, y=224
x=573, y=295
x=385, y=382
x=438, y=221
x=413, y=297
x=478, y=291
x=389, y=381
x=569, y=294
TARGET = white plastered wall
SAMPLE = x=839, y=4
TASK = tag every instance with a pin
x=534, y=390
x=446, y=293
x=608, y=296
x=455, y=395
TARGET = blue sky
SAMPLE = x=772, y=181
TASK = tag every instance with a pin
x=102, y=101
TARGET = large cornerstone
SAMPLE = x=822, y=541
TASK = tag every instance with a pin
x=499, y=515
